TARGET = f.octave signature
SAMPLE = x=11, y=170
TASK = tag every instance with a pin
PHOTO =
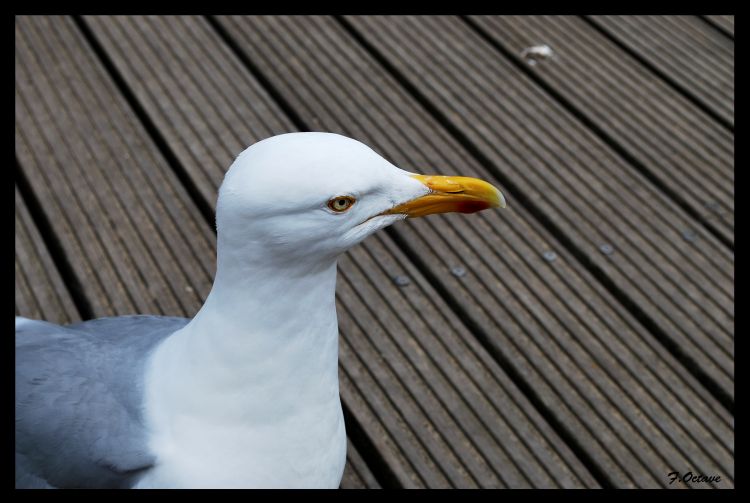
x=695, y=478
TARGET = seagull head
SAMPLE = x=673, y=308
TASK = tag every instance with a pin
x=301, y=197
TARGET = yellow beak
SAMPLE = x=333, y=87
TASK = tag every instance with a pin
x=451, y=193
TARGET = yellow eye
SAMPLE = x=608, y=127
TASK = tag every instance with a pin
x=341, y=203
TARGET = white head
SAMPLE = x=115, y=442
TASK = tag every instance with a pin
x=305, y=198
x=263, y=349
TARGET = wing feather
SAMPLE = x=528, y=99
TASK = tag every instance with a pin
x=79, y=398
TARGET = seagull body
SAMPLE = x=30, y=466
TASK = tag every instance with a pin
x=245, y=394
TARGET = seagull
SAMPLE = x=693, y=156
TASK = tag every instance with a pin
x=245, y=394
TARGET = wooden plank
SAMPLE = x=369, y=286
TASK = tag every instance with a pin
x=680, y=146
x=725, y=23
x=459, y=447
x=40, y=290
x=684, y=49
x=578, y=185
x=125, y=221
x=551, y=322
x=113, y=200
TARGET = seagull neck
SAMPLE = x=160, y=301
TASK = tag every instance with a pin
x=263, y=350
x=268, y=300
x=264, y=299
x=262, y=323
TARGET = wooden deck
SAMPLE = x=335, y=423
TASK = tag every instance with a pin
x=584, y=337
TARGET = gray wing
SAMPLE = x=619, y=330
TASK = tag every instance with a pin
x=79, y=396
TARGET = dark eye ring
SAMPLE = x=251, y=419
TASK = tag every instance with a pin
x=340, y=204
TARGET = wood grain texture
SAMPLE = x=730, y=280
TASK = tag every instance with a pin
x=41, y=293
x=696, y=58
x=579, y=185
x=128, y=227
x=676, y=144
